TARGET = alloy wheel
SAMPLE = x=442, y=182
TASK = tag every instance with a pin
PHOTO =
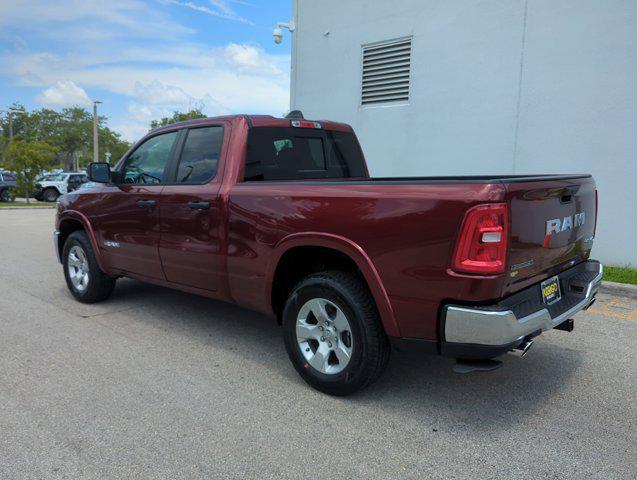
x=324, y=336
x=78, y=268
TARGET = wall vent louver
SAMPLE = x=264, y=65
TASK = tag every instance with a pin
x=386, y=72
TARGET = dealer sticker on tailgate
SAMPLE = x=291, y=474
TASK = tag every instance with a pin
x=551, y=290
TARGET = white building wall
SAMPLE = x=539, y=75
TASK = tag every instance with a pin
x=497, y=87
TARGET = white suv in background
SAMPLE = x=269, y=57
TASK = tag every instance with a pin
x=50, y=187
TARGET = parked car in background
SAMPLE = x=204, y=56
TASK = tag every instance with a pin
x=7, y=186
x=50, y=187
x=281, y=215
x=49, y=173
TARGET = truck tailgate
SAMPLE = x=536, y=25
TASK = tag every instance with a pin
x=552, y=227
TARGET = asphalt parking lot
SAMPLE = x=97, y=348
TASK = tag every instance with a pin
x=160, y=384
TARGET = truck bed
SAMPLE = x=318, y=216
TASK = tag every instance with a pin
x=409, y=227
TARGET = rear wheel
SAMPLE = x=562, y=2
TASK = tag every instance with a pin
x=333, y=333
x=84, y=278
x=50, y=195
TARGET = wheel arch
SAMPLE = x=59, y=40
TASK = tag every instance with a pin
x=312, y=248
x=72, y=221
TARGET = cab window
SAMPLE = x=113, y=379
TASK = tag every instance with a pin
x=200, y=155
x=75, y=181
x=147, y=164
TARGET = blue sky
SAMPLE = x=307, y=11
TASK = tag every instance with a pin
x=145, y=58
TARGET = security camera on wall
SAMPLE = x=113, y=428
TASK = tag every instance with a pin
x=277, y=33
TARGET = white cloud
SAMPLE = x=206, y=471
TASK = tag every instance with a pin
x=217, y=8
x=158, y=93
x=88, y=19
x=250, y=58
x=238, y=77
x=65, y=93
x=147, y=73
x=131, y=132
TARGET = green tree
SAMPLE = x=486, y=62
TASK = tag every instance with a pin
x=74, y=136
x=111, y=142
x=28, y=160
x=70, y=131
x=177, y=117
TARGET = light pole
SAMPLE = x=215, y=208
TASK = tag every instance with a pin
x=10, y=115
x=95, y=141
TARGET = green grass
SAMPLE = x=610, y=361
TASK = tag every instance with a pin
x=620, y=274
x=34, y=203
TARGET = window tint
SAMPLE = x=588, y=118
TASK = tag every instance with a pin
x=147, y=163
x=53, y=178
x=276, y=153
x=200, y=155
x=77, y=179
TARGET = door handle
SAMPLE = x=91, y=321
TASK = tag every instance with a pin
x=199, y=205
x=146, y=203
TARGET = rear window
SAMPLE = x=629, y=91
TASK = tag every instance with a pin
x=276, y=153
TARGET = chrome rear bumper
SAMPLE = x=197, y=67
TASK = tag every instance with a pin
x=496, y=326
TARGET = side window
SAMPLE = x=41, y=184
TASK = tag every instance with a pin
x=147, y=163
x=200, y=155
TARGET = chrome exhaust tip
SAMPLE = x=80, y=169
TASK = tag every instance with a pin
x=522, y=349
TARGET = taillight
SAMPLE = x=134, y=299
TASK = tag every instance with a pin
x=482, y=245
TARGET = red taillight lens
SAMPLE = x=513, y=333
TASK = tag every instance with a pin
x=482, y=245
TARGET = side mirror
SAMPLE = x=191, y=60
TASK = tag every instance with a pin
x=99, y=172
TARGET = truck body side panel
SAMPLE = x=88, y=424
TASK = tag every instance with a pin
x=408, y=233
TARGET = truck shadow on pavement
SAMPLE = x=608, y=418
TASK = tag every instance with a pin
x=414, y=385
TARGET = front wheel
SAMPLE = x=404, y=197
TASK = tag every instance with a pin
x=50, y=195
x=333, y=334
x=84, y=278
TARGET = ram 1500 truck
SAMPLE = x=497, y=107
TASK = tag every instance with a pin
x=280, y=215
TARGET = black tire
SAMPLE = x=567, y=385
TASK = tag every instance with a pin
x=370, y=345
x=100, y=286
x=6, y=195
x=50, y=195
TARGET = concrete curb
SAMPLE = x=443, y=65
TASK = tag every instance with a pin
x=619, y=289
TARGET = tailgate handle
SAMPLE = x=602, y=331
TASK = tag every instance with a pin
x=568, y=192
x=146, y=203
x=199, y=205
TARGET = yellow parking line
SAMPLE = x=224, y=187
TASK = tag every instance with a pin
x=612, y=314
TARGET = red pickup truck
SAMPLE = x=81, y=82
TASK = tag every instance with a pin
x=280, y=215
